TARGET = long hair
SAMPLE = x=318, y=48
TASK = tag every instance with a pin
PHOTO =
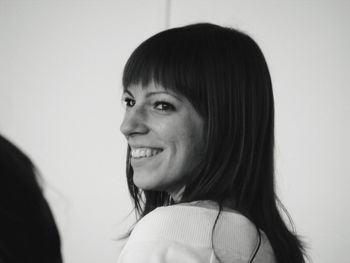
x=223, y=73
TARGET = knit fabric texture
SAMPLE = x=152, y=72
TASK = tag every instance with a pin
x=183, y=233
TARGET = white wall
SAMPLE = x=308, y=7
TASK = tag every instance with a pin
x=60, y=86
x=60, y=74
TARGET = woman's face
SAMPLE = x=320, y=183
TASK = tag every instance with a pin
x=165, y=134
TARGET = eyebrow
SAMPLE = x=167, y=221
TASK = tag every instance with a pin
x=128, y=92
x=149, y=94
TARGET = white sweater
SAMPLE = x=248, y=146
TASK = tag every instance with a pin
x=183, y=234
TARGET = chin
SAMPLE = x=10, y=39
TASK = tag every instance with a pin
x=143, y=181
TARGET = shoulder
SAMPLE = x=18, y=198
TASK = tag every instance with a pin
x=184, y=224
x=170, y=234
x=191, y=225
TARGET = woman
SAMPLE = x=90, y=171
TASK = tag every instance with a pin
x=28, y=231
x=199, y=123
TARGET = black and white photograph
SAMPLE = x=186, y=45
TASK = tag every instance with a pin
x=174, y=131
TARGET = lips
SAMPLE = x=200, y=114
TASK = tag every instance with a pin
x=144, y=152
x=145, y=157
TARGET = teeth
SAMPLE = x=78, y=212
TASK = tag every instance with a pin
x=144, y=152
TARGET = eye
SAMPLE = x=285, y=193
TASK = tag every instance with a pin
x=164, y=106
x=128, y=102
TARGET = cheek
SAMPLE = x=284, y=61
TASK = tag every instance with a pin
x=170, y=129
x=183, y=137
x=191, y=139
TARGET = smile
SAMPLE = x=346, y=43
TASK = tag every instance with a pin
x=139, y=153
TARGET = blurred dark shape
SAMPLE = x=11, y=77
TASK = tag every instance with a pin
x=28, y=232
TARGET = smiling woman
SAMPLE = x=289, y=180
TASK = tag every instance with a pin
x=164, y=132
x=199, y=121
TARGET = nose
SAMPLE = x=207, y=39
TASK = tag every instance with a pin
x=134, y=122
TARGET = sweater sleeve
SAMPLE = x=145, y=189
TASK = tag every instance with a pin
x=165, y=252
x=184, y=234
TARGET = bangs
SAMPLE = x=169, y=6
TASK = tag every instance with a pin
x=169, y=60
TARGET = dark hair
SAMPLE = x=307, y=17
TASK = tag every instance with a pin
x=28, y=232
x=223, y=73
